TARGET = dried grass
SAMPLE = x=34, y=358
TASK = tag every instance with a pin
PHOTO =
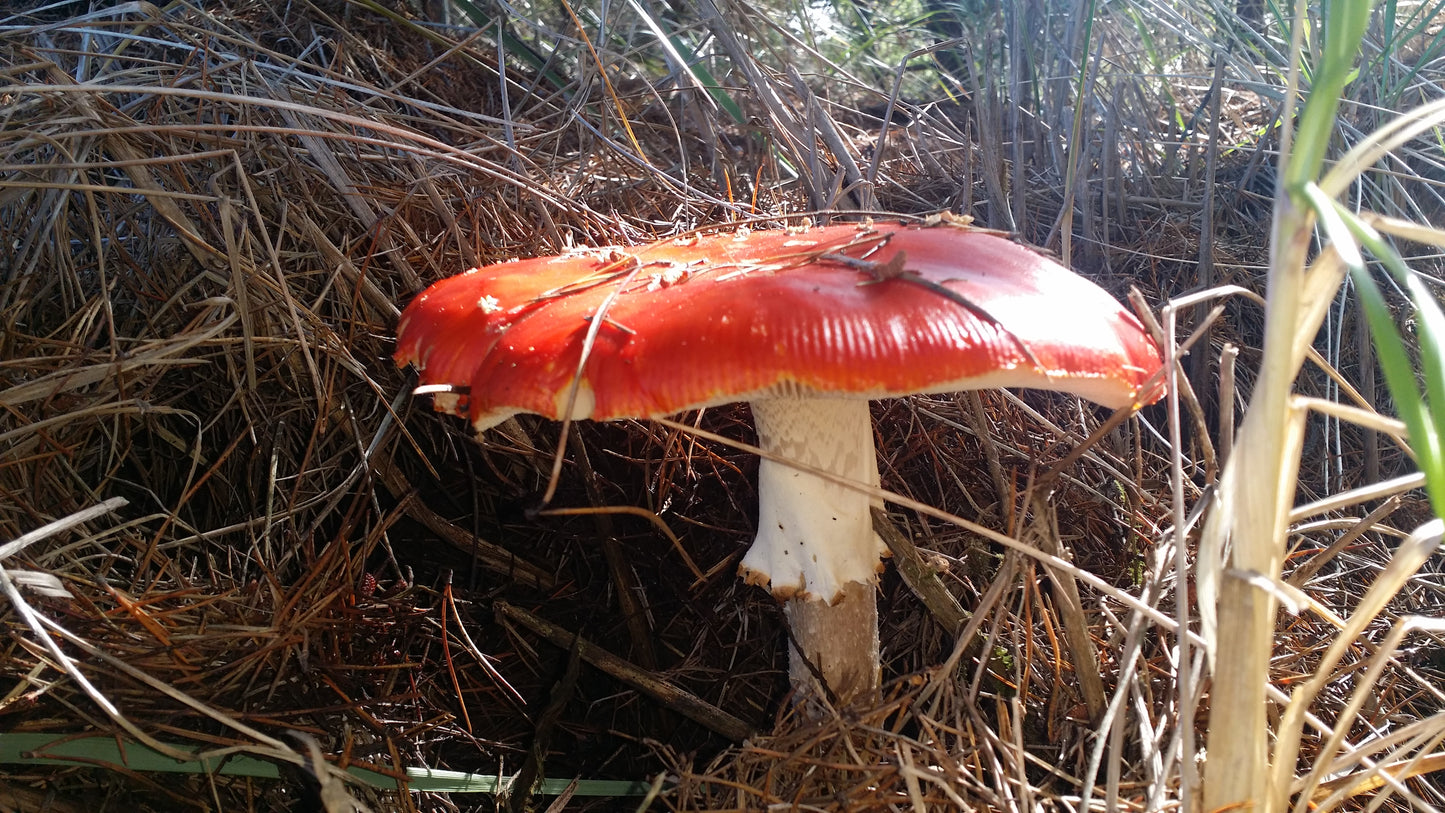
x=211, y=217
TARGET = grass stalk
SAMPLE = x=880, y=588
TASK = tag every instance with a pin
x=1259, y=481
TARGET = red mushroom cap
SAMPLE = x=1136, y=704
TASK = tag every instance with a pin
x=863, y=310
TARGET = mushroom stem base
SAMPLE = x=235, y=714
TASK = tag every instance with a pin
x=839, y=641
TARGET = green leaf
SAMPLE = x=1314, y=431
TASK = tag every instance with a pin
x=706, y=81
x=513, y=46
x=1390, y=348
x=1414, y=408
x=1430, y=330
x=1332, y=220
x=1345, y=24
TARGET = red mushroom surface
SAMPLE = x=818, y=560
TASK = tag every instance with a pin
x=711, y=320
x=806, y=325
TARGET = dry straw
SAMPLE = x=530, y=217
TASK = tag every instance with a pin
x=211, y=214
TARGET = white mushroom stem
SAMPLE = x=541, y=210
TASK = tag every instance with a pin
x=815, y=543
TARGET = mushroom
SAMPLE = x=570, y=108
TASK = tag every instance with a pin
x=807, y=326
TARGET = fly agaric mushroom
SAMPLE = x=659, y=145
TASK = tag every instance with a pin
x=807, y=325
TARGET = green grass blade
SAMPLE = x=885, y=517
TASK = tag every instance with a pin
x=1430, y=331
x=1415, y=409
x=1345, y=24
x=514, y=47
x=1399, y=374
x=99, y=752
x=1332, y=220
x=1390, y=347
x=706, y=81
x=682, y=58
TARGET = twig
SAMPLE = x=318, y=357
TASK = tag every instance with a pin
x=920, y=577
x=490, y=556
x=688, y=705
